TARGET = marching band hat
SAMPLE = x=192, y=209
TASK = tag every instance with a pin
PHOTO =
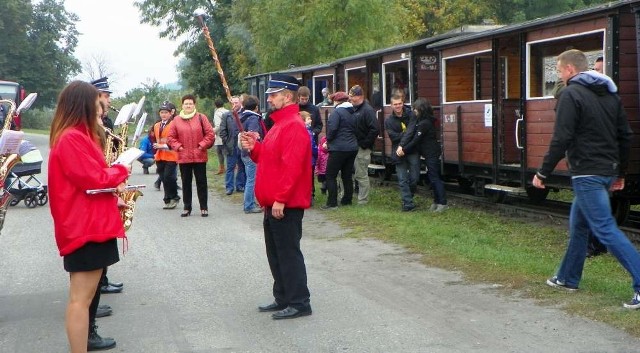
x=102, y=84
x=278, y=82
x=165, y=106
x=339, y=96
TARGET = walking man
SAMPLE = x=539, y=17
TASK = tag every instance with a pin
x=592, y=129
x=283, y=182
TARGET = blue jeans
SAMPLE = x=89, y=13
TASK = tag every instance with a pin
x=408, y=172
x=238, y=184
x=591, y=210
x=249, y=185
x=433, y=173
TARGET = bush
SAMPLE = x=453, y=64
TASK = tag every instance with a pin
x=37, y=119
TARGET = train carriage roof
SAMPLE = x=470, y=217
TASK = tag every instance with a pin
x=533, y=23
x=461, y=31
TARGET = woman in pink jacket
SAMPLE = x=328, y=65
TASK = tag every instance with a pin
x=191, y=135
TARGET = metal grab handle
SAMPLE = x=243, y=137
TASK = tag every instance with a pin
x=518, y=133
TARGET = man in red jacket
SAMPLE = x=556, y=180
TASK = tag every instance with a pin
x=283, y=181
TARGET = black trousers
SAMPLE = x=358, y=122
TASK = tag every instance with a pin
x=187, y=172
x=167, y=171
x=282, y=240
x=340, y=161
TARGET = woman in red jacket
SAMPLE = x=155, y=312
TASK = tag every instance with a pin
x=191, y=135
x=86, y=226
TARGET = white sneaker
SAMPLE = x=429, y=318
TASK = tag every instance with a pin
x=634, y=303
x=433, y=207
x=440, y=208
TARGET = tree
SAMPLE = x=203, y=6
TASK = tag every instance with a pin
x=37, y=46
x=97, y=66
x=175, y=18
x=309, y=32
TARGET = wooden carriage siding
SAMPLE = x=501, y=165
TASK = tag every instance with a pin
x=455, y=71
x=616, y=23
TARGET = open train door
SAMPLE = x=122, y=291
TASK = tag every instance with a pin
x=505, y=114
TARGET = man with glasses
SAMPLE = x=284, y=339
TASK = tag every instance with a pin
x=282, y=186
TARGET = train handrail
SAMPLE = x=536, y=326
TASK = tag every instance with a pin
x=518, y=133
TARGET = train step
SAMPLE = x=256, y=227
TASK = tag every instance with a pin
x=507, y=189
x=376, y=167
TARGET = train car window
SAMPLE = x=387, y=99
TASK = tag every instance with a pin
x=396, y=78
x=467, y=78
x=542, y=57
x=376, y=92
x=320, y=83
x=356, y=76
x=483, y=80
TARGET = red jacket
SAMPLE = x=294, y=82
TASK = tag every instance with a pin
x=76, y=164
x=284, y=160
x=191, y=134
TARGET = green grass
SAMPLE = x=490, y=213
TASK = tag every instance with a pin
x=486, y=247
x=36, y=131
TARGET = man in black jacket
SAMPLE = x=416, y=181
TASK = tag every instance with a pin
x=366, y=133
x=408, y=165
x=306, y=106
x=592, y=129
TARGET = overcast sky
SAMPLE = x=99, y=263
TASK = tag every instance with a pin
x=133, y=51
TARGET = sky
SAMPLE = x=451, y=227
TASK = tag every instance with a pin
x=134, y=52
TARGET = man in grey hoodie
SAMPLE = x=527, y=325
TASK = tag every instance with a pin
x=591, y=128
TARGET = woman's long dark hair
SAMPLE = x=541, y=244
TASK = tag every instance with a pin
x=76, y=106
x=423, y=109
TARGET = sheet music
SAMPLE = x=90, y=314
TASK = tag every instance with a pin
x=10, y=141
x=129, y=156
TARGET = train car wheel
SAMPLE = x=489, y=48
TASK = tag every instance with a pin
x=620, y=208
x=465, y=185
x=536, y=195
x=31, y=200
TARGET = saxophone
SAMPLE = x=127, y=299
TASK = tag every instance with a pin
x=7, y=162
x=130, y=195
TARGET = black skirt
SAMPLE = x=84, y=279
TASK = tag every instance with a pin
x=92, y=256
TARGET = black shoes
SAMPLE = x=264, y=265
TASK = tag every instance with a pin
x=110, y=289
x=408, y=208
x=103, y=310
x=290, y=313
x=116, y=284
x=97, y=343
x=271, y=307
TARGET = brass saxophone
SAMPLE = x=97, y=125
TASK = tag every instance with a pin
x=7, y=162
x=128, y=196
x=108, y=151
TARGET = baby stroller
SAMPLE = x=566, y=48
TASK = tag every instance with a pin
x=22, y=181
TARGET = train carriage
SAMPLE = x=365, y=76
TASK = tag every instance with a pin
x=497, y=96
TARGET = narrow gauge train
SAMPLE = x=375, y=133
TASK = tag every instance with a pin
x=492, y=94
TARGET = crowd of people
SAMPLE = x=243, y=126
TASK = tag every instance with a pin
x=273, y=162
